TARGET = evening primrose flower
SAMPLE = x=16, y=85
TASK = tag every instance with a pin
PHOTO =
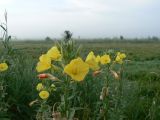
x=44, y=63
x=123, y=55
x=118, y=60
x=91, y=61
x=77, y=69
x=44, y=94
x=54, y=53
x=98, y=59
x=39, y=86
x=3, y=67
x=120, y=57
x=105, y=59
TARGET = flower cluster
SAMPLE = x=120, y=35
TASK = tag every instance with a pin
x=43, y=87
x=45, y=60
x=77, y=68
x=120, y=57
x=69, y=68
x=45, y=63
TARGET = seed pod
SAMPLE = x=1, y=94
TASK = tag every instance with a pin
x=101, y=97
x=95, y=73
x=115, y=74
x=33, y=102
x=56, y=116
x=104, y=93
x=101, y=111
x=52, y=77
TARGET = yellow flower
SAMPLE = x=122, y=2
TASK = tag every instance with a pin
x=105, y=59
x=3, y=67
x=91, y=61
x=39, y=87
x=120, y=57
x=54, y=53
x=44, y=94
x=77, y=69
x=119, y=60
x=123, y=56
x=44, y=63
x=98, y=59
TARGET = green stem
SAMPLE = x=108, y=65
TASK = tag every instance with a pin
x=106, y=99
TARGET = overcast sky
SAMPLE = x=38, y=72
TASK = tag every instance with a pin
x=85, y=18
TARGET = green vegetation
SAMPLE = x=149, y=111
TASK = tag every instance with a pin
x=136, y=50
x=141, y=89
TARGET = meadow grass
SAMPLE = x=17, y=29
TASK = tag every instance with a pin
x=136, y=50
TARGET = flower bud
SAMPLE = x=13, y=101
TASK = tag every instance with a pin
x=101, y=97
x=33, y=102
x=42, y=76
x=51, y=77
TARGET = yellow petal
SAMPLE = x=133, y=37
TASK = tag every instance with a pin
x=45, y=59
x=42, y=66
x=91, y=61
x=98, y=59
x=54, y=53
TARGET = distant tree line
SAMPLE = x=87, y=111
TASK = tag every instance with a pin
x=67, y=35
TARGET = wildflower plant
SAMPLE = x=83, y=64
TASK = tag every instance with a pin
x=3, y=104
x=62, y=71
x=6, y=38
x=3, y=69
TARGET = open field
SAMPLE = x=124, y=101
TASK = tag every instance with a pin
x=141, y=88
x=136, y=50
